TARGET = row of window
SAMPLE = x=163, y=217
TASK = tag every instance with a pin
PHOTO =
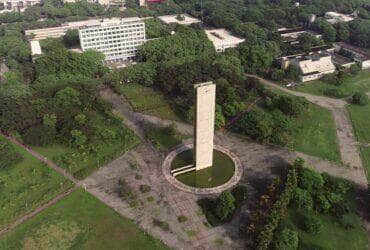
x=111, y=29
x=125, y=37
x=118, y=42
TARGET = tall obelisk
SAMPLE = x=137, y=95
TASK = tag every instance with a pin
x=205, y=99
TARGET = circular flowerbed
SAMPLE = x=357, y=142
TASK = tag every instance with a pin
x=221, y=172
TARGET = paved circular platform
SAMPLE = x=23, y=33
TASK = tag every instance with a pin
x=166, y=169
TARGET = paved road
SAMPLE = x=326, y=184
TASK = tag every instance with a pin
x=347, y=141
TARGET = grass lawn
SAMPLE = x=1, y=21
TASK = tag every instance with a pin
x=360, y=117
x=332, y=236
x=360, y=82
x=315, y=134
x=162, y=139
x=365, y=155
x=146, y=100
x=26, y=186
x=79, y=221
x=222, y=170
x=81, y=162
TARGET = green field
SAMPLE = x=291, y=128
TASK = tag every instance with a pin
x=332, y=236
x=162, y=139
x=360, y=116
x=27, y=186
x=81, y=162
x=360, y=82
x=315, y=134
x=146, y=100
x=79, y=221
x=222, y=170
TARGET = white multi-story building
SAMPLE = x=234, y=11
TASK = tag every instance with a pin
x=222, y=39
x=117, y=39
x=16, y=5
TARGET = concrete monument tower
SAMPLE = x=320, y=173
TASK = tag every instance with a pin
x=205, y=99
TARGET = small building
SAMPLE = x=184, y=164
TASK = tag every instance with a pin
x=342, y=61
x=16, y=5
x=222, y=39
x=107, y=3
x=183, y=19
x=117, y=39
x=335, y=17
x=291, y=35
x=358, y=54
x=314, y=66
x=35, y=49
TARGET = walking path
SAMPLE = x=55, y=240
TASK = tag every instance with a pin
x=43, y=159
x=355, y=174
x=348, y=144
x=38, y=210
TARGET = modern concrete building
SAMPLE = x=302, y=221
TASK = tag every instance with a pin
x=358, y=54
x=118, y=39
x=183, y=19
x=205, y=99
x=16, y=5
x=335, y=17
x=222, y=39
x=291, y=35
x=314, y=66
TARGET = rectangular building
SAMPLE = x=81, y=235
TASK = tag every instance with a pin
x=222, y=39
x=118, y=39
x=16, y=5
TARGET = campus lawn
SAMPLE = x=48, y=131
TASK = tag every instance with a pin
x=360, y=117
x=81, y=162
x=79, y=221
x=26, y=186
x=146, y=100
x=332, y=236
x=360, y=82
x=162, y=139
x=315, y=134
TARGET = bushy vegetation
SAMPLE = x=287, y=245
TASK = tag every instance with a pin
x=301, y=211
x=8, y=155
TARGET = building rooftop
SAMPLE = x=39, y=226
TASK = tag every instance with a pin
x=335, y=17
x=221, y=37
x=173, y=19
x=35, y=47
x=362, y=52
x=318, y=62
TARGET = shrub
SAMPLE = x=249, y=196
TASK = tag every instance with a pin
x=302, y=199
x=125, y=190
x=286, y=239
x=322, y=203
x=337, y=93
x=225, y=205
x=337, y=185
x=138, y=177
x=240, y=194
x=9, y=157
x=360, y=99
x=355, y=69
x=277, y=75
x=350, y=220
x=311, y=223
x=310, y=180
x=39, y=135
x=182, y=219
x=161, y=224
x=171, y=129
x=144, y=188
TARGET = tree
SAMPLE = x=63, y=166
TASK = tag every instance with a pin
x=286, y=239
x=343, y=32
x=225, y=206
x=323, y=26
x=78, y=138
x=71, y=38
x=9, y=156
x=219, y=117
x=359, y=98
x=360, y=33
x=310, y=180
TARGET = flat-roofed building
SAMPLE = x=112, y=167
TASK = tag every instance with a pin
x=314, y=66
x=358, y=54
x=108, y=3
x=291, y=35
x=183, y=19
x=118, y=39
x=222, y=39
x=16, y=5
x=335, y=17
